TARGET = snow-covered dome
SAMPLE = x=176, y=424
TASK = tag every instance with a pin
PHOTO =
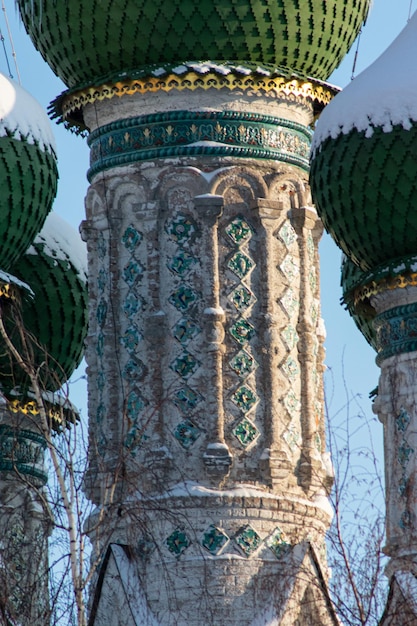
x=54, y=267
x=28, y=172
x=89, y=42
x=364, y=159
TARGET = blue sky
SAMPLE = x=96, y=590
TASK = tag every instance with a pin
x=349, y=358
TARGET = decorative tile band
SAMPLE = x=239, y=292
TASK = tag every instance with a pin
x=185, y=133
x=22, y=451
x=190, y=76
x=396, y=331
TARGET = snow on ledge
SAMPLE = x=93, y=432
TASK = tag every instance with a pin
x=23, y=117
x=382, y=96
x=191, y=488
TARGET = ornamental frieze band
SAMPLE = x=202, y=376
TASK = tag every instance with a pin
x=195, y=133
x=396, y=331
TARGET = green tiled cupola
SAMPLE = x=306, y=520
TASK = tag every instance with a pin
x=55, y=268
x=364, y=160
x=85, y=42
x=28, y=171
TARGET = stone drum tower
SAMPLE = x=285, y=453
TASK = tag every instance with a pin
x=205, y=344
x=364, y=179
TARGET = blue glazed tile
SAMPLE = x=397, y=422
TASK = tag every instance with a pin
x=178, y=542
x=243, y=363
x=186, y=399
x=242, y=331
x=185, y=364
x=183, y=298
x=240, y=264
x=402, y=420
x=131, y=305
x=214, y=540
x=186, y=433
x=238, y=230
x=132, y=272
x=181, y=229
x=101, y=312
x=242, y=298
x=131, y=238
x=248, y=540
x=245, y=432
x=134, y=370
x=181, y=263
x=131, y=339
x=278, y=544
x=185, y=330
x=244, y=398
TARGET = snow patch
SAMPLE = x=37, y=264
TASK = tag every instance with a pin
x=23, y=117
x=382, y=96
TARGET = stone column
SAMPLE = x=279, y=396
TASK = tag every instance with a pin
x=396, y=406
x=25, y=522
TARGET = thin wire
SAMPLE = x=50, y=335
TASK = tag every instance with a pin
x=356, y=55
x=409, y=10
x=5, y=54
x=11, y=45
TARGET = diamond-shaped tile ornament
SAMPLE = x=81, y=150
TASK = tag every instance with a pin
x=101, y=312
x=290, y=336
x=185, y=330
x=132, y=305
x=240, y=264
x=181, y=263
x=183, y=298
x=242, y=331
x=310, y=247
x=178, y=542
x=246, y=432
x=134, y=369
x=186, y=433
x=214, y=540
x=287, y=234
x=181, y=229
x=290, y=267
x=289, y=302
x=130, y=339
x=291, y=368
x=312, y=279
x=132, y=272
x=134, y=405
x=242, y=298
x=131, y=238
x=404, y=454
x=277, y=543
x=244, y=398
x=402, y=420
x=248, y=540
x=185, y=364
x=292, y=403
x=239, y=230
x=292, y=437
x=186, y=399
x=243, y=363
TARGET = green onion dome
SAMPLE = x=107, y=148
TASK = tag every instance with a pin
x=362, y=313
x=54, y=267
x=85, y=42
x=364, y=159
x=28, y=171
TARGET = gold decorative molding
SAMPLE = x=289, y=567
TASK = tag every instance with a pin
x=257, y=83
